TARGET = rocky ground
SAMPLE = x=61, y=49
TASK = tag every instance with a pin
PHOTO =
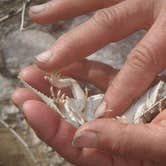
x=17, y=50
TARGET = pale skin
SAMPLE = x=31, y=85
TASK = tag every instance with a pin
x=103, y=141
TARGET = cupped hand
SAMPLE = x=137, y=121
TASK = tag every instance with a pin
x=103, y=141
x=100, y=142
x=114, y=20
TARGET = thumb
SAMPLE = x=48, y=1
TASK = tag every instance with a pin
x=143, y=65
x=126, y=140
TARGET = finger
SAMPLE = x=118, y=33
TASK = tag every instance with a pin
x=143, y=65
x=35, y=77
x=93, y=72
x=123, y=139
x=20, y=95
x=58, y=133
x=63, y=9
x=104, y=27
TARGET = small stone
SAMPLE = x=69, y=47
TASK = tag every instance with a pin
x=19, y=48
x=6, y=88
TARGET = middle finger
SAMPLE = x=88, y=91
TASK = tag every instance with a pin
x=63, y=9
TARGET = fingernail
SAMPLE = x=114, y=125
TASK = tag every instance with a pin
x=85, y=139
x=44, y=57
x=100, y=110
x=38, y=8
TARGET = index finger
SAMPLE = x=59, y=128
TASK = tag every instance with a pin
x=102, y=28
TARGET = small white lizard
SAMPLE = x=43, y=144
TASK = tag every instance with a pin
x=80, y=108
x=72, y=109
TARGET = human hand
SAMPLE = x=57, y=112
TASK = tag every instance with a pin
x=101, y=142
x=145, y=61
x=115, y=21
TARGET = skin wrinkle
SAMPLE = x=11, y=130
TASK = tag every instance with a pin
x=123, y=143
x=139, y=59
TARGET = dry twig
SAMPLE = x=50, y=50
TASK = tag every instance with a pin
x=15, y=12
x=25, y=3
x=18, y=137
x=10, y=14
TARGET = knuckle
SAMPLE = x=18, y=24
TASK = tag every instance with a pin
x=121, y=145
x=143, y=57
x=106, y=17
x=116, y=147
